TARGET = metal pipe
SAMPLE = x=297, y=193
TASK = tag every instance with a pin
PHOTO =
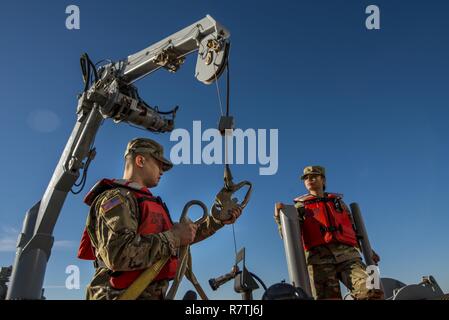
x=21, y=287
x=294, y=252
x=362, y=235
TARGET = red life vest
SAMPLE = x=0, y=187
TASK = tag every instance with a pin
x=154, y=218
x=326, y=220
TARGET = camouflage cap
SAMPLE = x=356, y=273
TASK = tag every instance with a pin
x=313, y=170
x=148, y=146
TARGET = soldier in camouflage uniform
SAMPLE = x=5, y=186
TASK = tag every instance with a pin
x=113, y=222
x=330, y=263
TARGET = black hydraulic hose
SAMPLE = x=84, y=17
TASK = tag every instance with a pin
x=228, y=88
x=85, y=69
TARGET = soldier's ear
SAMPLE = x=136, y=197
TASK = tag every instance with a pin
x=139, y=160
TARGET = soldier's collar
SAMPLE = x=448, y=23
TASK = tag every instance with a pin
x=308, y=196
x=132, y=185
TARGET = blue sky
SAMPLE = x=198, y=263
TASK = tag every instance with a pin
x=371, y=106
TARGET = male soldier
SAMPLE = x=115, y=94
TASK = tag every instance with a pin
x=128, y=229
x=330, y=241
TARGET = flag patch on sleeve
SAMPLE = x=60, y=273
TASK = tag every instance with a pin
x=111, y=203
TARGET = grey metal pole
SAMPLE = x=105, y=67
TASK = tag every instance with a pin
x=367, y=251
x=24, y=259
x=362, y=235
x=294, y=251
x=36, y=240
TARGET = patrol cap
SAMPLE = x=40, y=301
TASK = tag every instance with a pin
x=313, y=170
x=148, y=146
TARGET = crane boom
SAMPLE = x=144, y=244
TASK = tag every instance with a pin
x=112, y=95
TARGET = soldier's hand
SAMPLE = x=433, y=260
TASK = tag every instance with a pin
x=185, y=231
x=376, y=258
x=278, y=206
x=235, y=213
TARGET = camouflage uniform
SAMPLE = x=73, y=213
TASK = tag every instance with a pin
x=334, y=262
x=119, y=247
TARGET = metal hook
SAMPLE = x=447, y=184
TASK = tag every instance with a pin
x=188, y=205
x=224, y=203
x=185, y=258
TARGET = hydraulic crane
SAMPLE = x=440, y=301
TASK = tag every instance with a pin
x=109, y=92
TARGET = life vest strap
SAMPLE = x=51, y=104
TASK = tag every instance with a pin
x=156, y=200
x=336, y=201
x=324, y=229
x=316, y=200
x=148, y=198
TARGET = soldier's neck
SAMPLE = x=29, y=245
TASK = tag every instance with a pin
x=134, y=178
x=317, y=193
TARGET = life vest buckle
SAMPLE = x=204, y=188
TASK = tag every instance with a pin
x=324, y=229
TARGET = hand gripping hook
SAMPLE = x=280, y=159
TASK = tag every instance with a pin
x=184, y=256
x=224, y=203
